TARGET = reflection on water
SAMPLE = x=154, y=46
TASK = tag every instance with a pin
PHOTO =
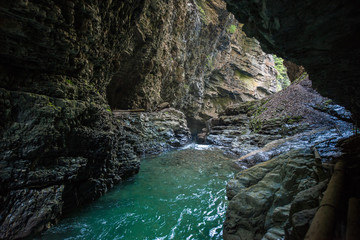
x=178, y=195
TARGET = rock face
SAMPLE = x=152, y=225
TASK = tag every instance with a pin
x=296, y=117
x=156, y=132
x=260, y=204
x=66, y=65
x=279, y=133
x=56, y=154
x=321, y=36
x=192, y=54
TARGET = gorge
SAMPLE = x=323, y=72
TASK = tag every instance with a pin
x=89, y=87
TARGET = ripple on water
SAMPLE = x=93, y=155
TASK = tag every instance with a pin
x=178, y=195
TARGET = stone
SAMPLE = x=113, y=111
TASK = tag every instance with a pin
x=274, y=139
x=163, y=105
x=156, y=132
x=300, y=222
x=294, y=118
x=294, y=71
x=66, y=66
x=260, y=203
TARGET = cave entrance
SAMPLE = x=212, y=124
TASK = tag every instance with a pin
x=121, y=92
x=196, y=127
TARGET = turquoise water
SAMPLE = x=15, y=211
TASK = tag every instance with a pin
x=178, y=195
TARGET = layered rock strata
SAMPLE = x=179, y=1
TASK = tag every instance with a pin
x=56, y=154
x=156, y=132
x=192, y=54
x=293, y=118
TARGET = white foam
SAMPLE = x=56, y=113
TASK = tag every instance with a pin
x=197, y=146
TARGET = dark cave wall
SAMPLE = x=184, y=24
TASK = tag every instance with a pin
x=322, y=36
x=60, y=145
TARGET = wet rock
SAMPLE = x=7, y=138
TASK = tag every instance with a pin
x=278, y=135
x=261, y=199
x=57, y=154
x=156, y=132
x=192, y=54
x=61, y=66
x=297, y=117
x=41, y=206
x=163, y=105
x=300, y=223
x=302, y=211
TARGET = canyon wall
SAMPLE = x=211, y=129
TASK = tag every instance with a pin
x=193, y=55
x=65, y=67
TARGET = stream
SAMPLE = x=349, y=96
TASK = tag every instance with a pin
x=176, y=195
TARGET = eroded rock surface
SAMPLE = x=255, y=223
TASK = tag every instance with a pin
x=296, y=117
x=66, y=65
x=192, y=54
x=56, y=154
x=156, y=132
x=279, y=133
x=261, y=201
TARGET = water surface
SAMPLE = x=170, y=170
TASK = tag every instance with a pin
x=177, y=195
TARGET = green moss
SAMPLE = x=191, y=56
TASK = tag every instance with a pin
x=293, y=119
x=242, y=76
x=278, y=86
x=68, y=81
x=201, y=11
x=210, y=62
x=255, y=110
x=328, y=102
x=50, y=104
x=221, y=101
x=245, y=80
x=282, y=77
x=231, y=29
x=302, y=77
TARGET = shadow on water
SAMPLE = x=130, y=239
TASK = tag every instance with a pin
x=177, y=195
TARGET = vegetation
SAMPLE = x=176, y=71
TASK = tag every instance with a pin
x=210, y=62
x=282, y=77
x=245, y=79
x=202, y=12
x=302, y=77
x=231, y=29
x=255, y=111
x=293, y=119
x=50, y=104
x=68, y=81
x=242, y=76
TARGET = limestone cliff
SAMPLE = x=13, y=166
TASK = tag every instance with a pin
x=192, y=54
x=65, y=65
